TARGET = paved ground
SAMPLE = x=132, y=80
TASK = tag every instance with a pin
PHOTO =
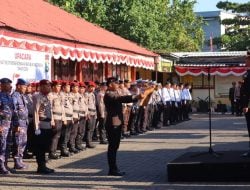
x=143, y=158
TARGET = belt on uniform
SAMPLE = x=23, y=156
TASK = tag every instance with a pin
x=2, y=117
x=92, y=110
x=82, y=112
x=68, y=115
x=76, y=111
x=57, y=113
x=45, y=119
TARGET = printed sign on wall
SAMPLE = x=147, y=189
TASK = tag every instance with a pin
x=26, y=64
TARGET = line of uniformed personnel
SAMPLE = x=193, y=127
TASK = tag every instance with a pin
x=47, y=116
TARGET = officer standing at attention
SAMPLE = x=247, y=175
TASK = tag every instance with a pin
x=6, y=113
x=68, y=124
x=101, y=113
x=75, y=103
x=245, y=103
x=21, y=126
x=92, y=114
x=42, y=122
x=28, y=152
x=113, y=103
x=58, y=117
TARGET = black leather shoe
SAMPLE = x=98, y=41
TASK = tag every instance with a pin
x=80, y=147
x=90, y=146
x=28, y=156
x=73, y=150
x=65, y=154
x=45, y=170
x=116, y=173
x=54, y=156
x=103, y=142
x=126, y=135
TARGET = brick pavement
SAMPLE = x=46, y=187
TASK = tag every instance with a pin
x=143, y=158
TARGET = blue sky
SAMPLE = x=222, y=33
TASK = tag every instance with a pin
x=210, y=5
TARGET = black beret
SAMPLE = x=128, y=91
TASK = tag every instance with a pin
x=126, y=81
x=103, y=83
x=21, y=81
x=44, y=82
x=111, y=79
x=121, y=82
x=5, y=80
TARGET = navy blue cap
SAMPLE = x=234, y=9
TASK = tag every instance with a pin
x=5, y=81
x=21, y=81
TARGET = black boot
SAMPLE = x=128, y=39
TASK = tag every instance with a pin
x=54, y=156
x=42, y=169
x=80, y=147
x=116, y=173
x=73, y=150
x=65, y=153
x=90, y=145
x=3, y=169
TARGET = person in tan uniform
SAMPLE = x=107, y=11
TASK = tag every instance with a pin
x=92, y=114
x=75, y=103
x=126, y=108
x=58, y=117
x=83, y=112
x=42, y=122
x=28, y=152
x=68, y=124
x=101, y=113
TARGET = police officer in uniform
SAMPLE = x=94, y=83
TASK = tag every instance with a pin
x=75, y=97
x=6, y=114
x=58, y=117
x=21, y=126
x=92, y=114
x=245, y=103
x=83, y=112
x=68, y=124
x=28, y=152
x=43, y=128
x=101, y=113
x=113, y=103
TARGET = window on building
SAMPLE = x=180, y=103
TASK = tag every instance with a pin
x=64, y=69
x=93, y=71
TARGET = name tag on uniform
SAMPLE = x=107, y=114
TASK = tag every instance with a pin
x=116, y=121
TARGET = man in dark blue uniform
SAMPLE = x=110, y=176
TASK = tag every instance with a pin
x=20, y=127
x=113, y=103
x=6, y=115
x=245, y=103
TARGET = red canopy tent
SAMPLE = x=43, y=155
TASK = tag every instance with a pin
x=219, y=63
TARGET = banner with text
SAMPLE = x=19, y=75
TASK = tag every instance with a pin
x=29, y=65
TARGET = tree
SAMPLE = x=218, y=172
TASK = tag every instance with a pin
x=152, y=24
x=237, y=36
